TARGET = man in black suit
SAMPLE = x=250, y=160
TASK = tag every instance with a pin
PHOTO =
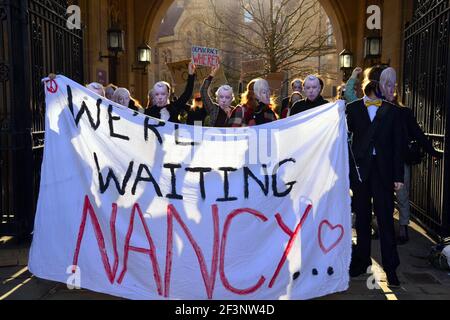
x=376, y=170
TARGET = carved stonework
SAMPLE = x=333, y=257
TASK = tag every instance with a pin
x=114, y=13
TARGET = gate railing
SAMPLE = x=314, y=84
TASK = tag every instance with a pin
x=426, y=91
x=34, y=38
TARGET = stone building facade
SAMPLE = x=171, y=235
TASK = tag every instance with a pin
x=142, y=20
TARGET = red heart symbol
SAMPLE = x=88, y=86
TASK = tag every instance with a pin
x=330, y=227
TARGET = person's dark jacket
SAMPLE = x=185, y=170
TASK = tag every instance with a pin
x=262, y=115
x=305, y=105
x=194, y=116
x=175, y=107
x=285, y=105
x=413, y=132
x=387, y=140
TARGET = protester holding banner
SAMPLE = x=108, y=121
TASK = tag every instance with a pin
x=413, y=132
x=297, y=87
x=219, y=112
x=264, y=111
x=313, y=87
x=122, y=96
x=162, y=107
x=376, y=170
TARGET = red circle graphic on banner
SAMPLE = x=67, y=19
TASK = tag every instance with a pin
x=52, y=86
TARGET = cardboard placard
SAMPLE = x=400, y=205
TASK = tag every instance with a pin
x=204, y=56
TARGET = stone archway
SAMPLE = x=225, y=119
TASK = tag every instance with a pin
x=340, y=13
x=333, y=8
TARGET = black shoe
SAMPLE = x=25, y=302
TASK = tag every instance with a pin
x=392, y=280
x=404, y=237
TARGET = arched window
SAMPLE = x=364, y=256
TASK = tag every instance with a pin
x=330, y=31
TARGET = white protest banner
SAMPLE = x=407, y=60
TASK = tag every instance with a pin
x=143, y=209
x=203, y=56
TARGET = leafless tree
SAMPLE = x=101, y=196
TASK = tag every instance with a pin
x=284, y=33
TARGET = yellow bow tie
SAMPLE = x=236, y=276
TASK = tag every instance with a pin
x=375, y=103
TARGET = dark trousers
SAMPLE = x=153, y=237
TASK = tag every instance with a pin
x=374, y=191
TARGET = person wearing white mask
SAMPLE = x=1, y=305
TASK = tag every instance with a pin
x=312, y=87
x=162, y=107
x=376, y=171
x=412, y=132
x=264, y=111
x=122, y=96
x=97, y=88
x=220, y=112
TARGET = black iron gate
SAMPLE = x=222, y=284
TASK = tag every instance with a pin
x=426, y=91
x=34, y=41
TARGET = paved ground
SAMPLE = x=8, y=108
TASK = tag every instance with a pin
x=419, y=280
